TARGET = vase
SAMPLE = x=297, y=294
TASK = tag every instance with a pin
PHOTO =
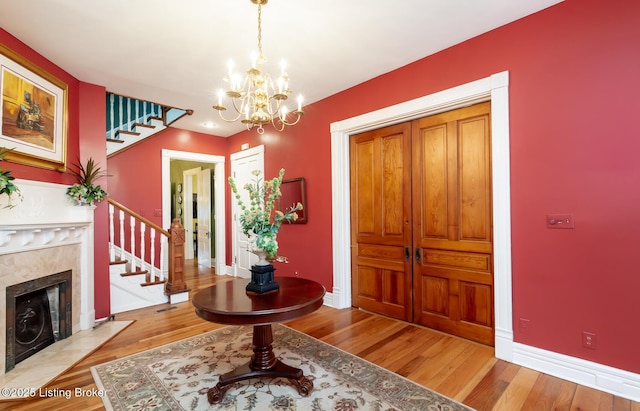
x=262, y=276
x=262, y=257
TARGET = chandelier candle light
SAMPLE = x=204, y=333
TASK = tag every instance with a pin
x=256, y=99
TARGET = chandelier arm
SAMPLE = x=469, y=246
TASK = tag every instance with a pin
x=274, y=125
x=229, y=120
x=241, y=110
x=292, y=123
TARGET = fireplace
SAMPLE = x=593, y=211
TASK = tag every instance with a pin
x=42, y=239
x=38, y=314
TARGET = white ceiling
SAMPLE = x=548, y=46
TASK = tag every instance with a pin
x=175, y=52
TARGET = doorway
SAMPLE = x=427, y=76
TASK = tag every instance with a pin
x=218, y=163
x=243, y=164
x=494, y=88
x=198, y=218
x=421, y=230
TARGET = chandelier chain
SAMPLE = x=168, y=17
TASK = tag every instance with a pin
x=260, y=56
x=258, y=100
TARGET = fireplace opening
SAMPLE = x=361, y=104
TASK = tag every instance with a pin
x=38, y=315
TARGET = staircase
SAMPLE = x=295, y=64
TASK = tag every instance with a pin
x=130, y=120
x=140, y=273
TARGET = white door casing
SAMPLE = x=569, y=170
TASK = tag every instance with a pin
x=494, y=88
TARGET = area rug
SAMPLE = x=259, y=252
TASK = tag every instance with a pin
x=177, y=376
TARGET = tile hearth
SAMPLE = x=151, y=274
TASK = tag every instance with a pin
x=42, y=368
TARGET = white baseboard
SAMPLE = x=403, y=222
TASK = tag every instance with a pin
x=601, y=377
x=590, y=374
x=179, y=298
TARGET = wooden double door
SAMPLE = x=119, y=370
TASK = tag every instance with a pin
x=421, y=226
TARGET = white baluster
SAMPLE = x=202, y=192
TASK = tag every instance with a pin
x=163, y=245
x=152, y=235
x=143, y=228
x=121, y=110
x=112, y=250
x=112, y=120
x=129, y=122
x=132, y=229
x=121, y=224
x=137, y=111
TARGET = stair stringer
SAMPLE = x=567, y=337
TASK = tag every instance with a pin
x=129, y=139
x=127, y=293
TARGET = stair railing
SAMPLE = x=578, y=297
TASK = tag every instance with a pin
x=156, y=271
x=124, y=114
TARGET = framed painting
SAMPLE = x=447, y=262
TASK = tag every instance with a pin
x=34, y=113
x=293, y=192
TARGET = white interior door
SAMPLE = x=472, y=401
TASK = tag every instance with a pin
x=190, y=186
x=204, y=217
x=242, y=166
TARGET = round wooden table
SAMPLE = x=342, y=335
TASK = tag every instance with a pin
x=229, y=303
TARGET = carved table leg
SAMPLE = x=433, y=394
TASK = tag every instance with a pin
x=263, y=364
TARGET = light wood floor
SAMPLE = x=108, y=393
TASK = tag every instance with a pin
x=460, y=369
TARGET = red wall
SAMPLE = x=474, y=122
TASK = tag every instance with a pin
x=39, y=174
x=134, y=174
x=86, y=118
x=574, y=79
x=92, y=144
x=574, y=148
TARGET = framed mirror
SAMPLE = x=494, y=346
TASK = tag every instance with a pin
x=294, y=191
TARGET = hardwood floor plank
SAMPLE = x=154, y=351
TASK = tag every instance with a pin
x=474, y=380
x=470, y=364
x=514, y=397
x=543, y=393
x=565, y=396
x=486, y=393
x=585, y=398
x=465, y=371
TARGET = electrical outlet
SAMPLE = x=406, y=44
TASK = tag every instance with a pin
x=524, y=325
x=589, y=340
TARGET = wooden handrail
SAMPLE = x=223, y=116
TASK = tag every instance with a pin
x=139, y=217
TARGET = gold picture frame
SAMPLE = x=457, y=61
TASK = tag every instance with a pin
x=34, y=113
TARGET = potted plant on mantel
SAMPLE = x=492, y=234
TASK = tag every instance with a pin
x=260, y=222
x=6, y=182
x=85, y=192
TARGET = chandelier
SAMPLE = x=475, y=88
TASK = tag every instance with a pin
x=256, y=99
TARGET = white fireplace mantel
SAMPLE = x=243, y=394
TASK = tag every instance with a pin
x=44, y=218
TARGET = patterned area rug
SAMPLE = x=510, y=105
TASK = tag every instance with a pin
x=177, y=376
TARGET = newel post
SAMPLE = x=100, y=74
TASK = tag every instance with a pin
x=175, y=283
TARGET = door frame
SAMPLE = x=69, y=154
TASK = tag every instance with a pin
x=494, y=88
x=218, y=206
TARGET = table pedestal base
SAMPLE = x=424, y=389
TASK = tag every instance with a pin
x=263, y=364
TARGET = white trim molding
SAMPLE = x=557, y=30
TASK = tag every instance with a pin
x=588, y=373
x=494, y=88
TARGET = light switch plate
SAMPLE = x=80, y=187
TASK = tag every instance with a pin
x=560, y=221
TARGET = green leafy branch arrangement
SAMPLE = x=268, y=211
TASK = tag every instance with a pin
x=258, y=219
